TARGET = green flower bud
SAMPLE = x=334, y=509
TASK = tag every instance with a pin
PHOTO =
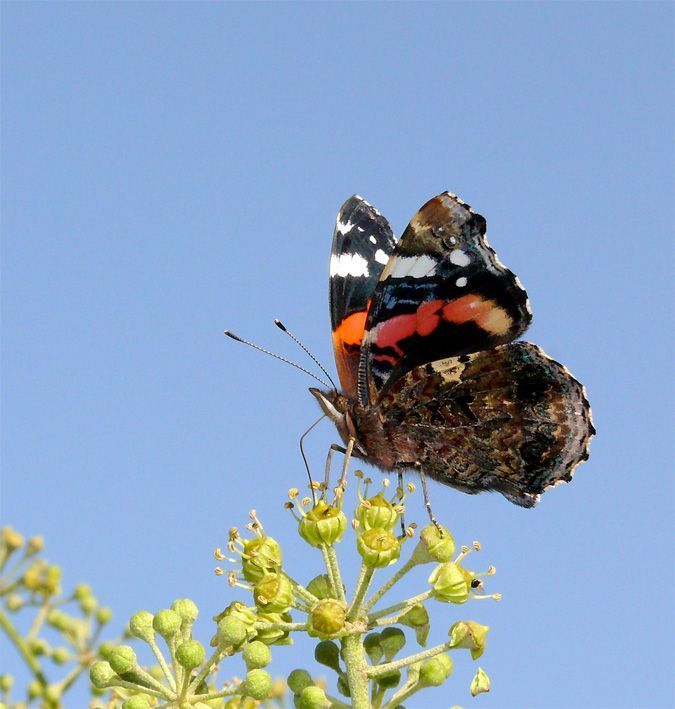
x=256, y=655
x=435, y=670
x=88, y=604
x=82, y=590
x=6, y=683
x=35, y=689
x=434, y=547
x=320, y=587
x=190, y=654
x=231, y=632
x=327, y=619
x=451, y=583
x=104, y=615
x=51, y=581
x=273, y=636
x=480, y=683
x=101, y=674
x=312, y=698
x=156, y=672
x=417, y=618
x=327, y=653
x=376, y=513
x=273, y=592
x=104, y=649
x=343, y=687
x=122, y=659
x=61, y=655
x=35, y=545
x=38, y=646
x=378, y=548
x=298, y=680
x=469, y=635
x=11, y=539
x=166, y=623
x=53, y=694
x=138, y=701
x=140, y=626
x=392, y=641
x=257, y=684
x=323, y=524
x=261, y=555
x=14, y=602
x=390, y=680
x=371, y=644
x=186, y=609
x=59, y=620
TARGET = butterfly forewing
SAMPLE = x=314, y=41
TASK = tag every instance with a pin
x=442, y=293
x=362, y=244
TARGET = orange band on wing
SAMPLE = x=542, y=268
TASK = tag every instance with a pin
x=347, y=338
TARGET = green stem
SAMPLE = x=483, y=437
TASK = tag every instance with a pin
x=404, y=605
x=162, y=663
x=389, y=667
x=22, y=647
x=407, y=690
x=410, y=564
x=301, y=591
x=332, y=562
x=264, y=625
x=362, y=585
x=216, y=657
x=329, y=569
x=357, y=671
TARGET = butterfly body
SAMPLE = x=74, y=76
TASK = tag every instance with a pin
x=432, y=379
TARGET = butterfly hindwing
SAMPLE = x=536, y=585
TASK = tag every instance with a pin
x=510, y=419
x=362, y=244
x=442, y=293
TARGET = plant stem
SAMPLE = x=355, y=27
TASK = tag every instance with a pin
x=22, y=647
x=365, y=577
x=399, y=606
x=410, y=564
x=357, y=670
x=388, y=667
x=332, y=564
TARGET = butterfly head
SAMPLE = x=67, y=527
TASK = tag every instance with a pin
x=337, y=408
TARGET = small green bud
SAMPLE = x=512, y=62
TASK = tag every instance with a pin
x=273, y=636
x=140, y=626
x=343, y=687
x=101, y=674
x=186, y=609
x=103, y=615
x=371, y=644
x=51, y=580
x=11, y=539
x=122, y=659
x=451, y=583
x=328, y=654
x=82, y=590
x=59, y=620
x=231, y=632
x=156, y=672
x=104, y=649
x=392, y=641
x=14, y=602
x=261, y=555
x=378, y=548
x=469, y=635
x=190, y=654
x=88, y=604
x=39, y=646
x=434, y=547
x=257, y=684
x=298, y=680
x=323, y=524
x=273, y=592
x=312, y=698
x=35, y=689
x=35, y=545
x=320, y=587
x=256, y=655
x=166, y=623
x=480, y=683
x=6, y=683
x=138, y=701
x=61, y=655
x=53, y=694
x=327, y=619
x=376, y=513
x=435, y=670
x=390, y=680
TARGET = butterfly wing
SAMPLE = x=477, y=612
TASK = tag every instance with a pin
x=442, y=293
x=511, y=419
x=362, y=244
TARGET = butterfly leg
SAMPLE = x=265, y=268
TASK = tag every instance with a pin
x=400, y=494
x=334, y=448
x=427, y=502
x=345, y=466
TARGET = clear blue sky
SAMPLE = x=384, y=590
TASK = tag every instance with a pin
x=170, y=170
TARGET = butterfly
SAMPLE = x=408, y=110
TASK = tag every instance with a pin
x=433, y=377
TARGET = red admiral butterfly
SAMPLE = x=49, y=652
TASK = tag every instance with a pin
x=432, y=379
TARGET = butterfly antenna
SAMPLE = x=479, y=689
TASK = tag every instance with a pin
x=283, y=328
x=276, y=356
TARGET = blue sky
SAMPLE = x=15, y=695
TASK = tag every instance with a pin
x=170, y=170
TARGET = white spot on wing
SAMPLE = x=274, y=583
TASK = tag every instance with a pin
x=343, y=227
x=373, y=240
x=461, y=282
x=412, y=266
x=459, y=257
x=348, y=265
x=380, y=256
